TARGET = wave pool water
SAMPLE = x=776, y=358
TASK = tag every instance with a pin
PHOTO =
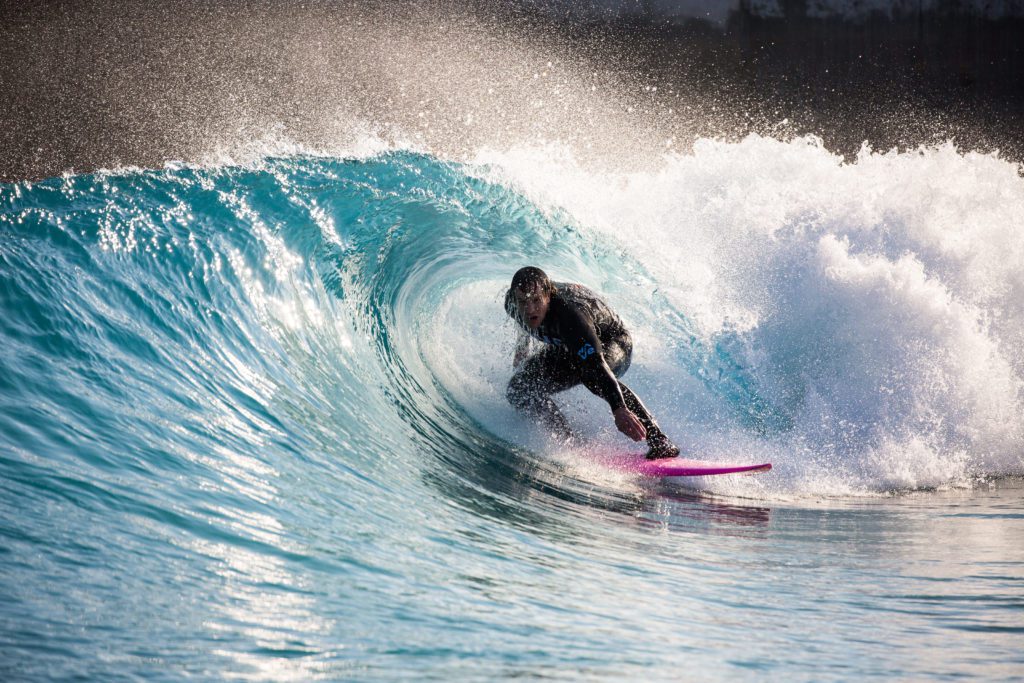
x=253, y=420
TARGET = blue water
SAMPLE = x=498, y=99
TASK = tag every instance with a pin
x=252, y=422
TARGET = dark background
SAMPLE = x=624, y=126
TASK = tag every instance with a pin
x=85, y=85
x=901, y=80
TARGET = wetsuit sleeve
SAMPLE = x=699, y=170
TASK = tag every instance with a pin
x=581, y=337
x=522, y=348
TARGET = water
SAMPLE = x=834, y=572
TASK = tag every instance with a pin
x=253, y=421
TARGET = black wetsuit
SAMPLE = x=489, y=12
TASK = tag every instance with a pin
x=585, y=343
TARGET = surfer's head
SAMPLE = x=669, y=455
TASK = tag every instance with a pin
x=532, y=290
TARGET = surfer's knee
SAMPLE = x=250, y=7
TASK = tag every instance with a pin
x=618, y=354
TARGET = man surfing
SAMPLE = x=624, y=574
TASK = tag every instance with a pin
x=585, y=343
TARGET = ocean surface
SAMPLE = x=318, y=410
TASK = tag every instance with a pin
x=253, y=425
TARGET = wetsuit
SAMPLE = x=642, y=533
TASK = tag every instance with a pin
x=585, y=343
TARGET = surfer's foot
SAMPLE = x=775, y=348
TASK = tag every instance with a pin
x=661, y=448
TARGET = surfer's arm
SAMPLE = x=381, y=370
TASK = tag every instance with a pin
x=522, y=349
x=589, y=352
x=629, y=424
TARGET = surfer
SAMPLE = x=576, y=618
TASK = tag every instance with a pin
x=585, y=343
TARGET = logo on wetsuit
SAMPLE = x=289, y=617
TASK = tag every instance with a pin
x=585, y=352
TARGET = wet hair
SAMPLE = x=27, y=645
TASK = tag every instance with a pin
x=531, y=277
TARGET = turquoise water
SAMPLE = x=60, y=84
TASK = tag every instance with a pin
x=253, y=423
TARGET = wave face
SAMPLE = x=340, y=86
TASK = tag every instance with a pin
x=293, y=373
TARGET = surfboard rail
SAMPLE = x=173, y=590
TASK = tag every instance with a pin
x=635, y=463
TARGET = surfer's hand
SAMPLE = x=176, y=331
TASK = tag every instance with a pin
x=629, y=424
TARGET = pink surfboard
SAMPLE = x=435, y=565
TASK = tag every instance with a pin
x=635, y=463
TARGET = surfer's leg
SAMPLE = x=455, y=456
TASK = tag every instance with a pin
x=660, y=445
x=618, y=354
x=531, y=387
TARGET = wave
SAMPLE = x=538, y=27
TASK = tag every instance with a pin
x=339, y=318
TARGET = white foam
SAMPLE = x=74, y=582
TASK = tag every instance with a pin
x=879, y=303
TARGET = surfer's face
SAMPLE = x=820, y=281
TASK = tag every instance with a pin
x=533, y=305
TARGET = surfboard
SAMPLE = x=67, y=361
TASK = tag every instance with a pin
x=635, y=463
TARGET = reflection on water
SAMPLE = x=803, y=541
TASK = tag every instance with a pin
x=694, y=511
x=265, y=617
